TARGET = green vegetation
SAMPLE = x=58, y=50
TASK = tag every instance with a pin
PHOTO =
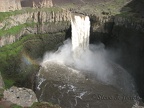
x=12, y=68
x=113, y=7
x=8, y=83
x=10, y=56
x=44, y=105
x=1, y=93
x=16, y=29
x=15, y=106
x=5, y=15
x=69, y=6
x=127, y=15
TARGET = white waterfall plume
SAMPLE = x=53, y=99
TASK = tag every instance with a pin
x=80, y=34
x=93, y=59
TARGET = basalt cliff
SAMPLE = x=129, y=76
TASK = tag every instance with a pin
x=36, y=22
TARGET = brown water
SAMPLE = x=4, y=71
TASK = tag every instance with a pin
x=74, y=89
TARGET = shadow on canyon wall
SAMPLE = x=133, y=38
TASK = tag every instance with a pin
x=131, y=42
x=136, y=7
x=128, y=38
x=123, y=34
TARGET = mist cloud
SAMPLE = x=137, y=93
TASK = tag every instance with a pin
x=93, y=60
x=97, y=61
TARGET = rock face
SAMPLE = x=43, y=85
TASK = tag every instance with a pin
x=44, y=22
x=10, y=38
x=106, y=23
x=126, y=35
x=9, y=5
x=37, y=3
x=42, y=3
x=20, y=96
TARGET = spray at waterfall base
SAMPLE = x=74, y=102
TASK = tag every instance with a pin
x=93, y=59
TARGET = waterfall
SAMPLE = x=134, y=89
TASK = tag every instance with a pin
x=80, y=34
x=72, y=69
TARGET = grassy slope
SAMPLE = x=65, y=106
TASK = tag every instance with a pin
x=33, y=45
x=10, y=58
x=4, y=15
x=9, y=54
x=16, y=29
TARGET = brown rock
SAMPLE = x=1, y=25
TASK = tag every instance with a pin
x=9, y=5
x=42, y=3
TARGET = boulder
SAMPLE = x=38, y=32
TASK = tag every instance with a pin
x=20, y=96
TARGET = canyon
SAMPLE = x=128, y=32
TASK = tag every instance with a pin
x=33, y=23
x=118, y=32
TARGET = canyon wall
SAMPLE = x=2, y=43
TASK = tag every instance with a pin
x=42, y=3
x=12, y=5
x=9, y=5
x=37, y=3
x=103, y=26
x=39, y=22
x=125, y=37
x=118, y=32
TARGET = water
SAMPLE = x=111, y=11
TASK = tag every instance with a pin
x=80, y=34
x=80, y=75
x=75, y=89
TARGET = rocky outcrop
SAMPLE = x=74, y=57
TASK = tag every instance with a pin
x=105, y=27
x=36, y=17
x=100, y=23
x=105, y=23
x=10, y=38
x=37, y=3
x=124, y=35
x=9, y=5
x=20, y=96
x=42, y=4
x=34, y=23
x=137, y=24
